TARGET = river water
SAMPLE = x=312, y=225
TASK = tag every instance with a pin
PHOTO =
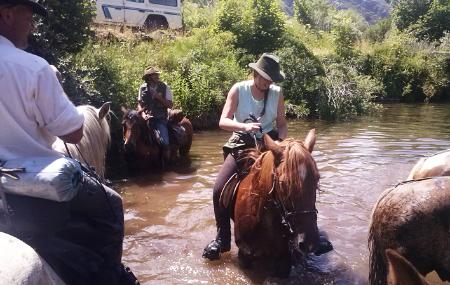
x=169, y=216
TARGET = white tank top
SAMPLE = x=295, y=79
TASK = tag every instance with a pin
x=248, y=105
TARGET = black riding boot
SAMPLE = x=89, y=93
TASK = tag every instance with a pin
x=222, y=242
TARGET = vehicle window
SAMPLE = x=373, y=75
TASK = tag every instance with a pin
x=164, y=2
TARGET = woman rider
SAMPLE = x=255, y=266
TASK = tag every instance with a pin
x=250, y=110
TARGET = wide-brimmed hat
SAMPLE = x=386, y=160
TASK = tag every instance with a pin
x=149, y=71
x=37, y=8
x=268, y=66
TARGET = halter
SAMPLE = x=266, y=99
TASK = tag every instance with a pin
x=287, y=225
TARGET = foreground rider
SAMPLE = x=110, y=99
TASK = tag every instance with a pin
x=34, y=110
x=252, y=107
x=155, y=97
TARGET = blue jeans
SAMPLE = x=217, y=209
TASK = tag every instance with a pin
x=161, y=128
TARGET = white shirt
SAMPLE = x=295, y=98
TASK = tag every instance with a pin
x=34, y=109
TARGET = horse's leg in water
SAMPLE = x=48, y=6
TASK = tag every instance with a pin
x=282, y=265
x=245, y=260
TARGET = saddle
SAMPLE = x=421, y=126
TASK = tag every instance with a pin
x=228, y=196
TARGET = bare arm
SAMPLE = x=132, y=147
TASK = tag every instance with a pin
x=281, y=118
x=226, y=119
x=74, y=137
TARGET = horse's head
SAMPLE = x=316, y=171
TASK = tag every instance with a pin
x=287, y=175
x=296, y=182
x=134, y=129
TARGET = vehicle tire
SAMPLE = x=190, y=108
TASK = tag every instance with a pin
x=155, y=22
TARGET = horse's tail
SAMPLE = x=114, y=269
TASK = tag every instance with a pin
x=189, y=130
x=377, y=263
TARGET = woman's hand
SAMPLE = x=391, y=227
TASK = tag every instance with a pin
x=252, y=127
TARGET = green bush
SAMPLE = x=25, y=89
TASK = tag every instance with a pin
x=201, y=70
x=346, y=93
x=258, y=25
x=303, y=75
x=197, y=15
x=409, y=71
x=377, y=32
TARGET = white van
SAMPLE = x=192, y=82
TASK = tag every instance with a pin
x=143, y=13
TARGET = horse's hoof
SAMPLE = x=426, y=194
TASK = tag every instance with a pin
x=244, y=260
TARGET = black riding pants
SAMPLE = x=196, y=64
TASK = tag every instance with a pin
x=81, y=239
x=229, y=167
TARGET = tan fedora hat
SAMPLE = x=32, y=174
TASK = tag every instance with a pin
x=149, y=71
x=37, y=8
x=268, y=66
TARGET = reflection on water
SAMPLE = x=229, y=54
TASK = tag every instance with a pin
x=169, y=216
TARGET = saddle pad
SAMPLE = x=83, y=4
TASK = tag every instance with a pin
x=229, y=192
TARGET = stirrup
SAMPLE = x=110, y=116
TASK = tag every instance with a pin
x=213, y=250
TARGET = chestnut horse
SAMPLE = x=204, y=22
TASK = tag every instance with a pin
x=275, y=203
x=96, y=139
x=141, y=144
x=436, y=165
x=412, y=218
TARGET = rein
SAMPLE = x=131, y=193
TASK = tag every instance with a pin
x=286, y=215
x=90, y=171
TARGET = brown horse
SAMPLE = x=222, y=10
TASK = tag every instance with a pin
x=401, y=271
x=275, y=203
x=412, y=218
x=141, y=144
x=436, y=165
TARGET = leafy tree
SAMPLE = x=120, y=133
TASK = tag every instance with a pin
x=377, y=32
x=303, y=13
x=426, y=19
x=67, y=29
x=303, y=72
x=345, y=35
x=317, y=13
x=434, y=23
x=258, y=25
x=407, y=12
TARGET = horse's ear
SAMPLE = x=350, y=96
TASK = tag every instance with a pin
x=104, y=110
x=401, y=271
x=272, y=146
x=310, y=140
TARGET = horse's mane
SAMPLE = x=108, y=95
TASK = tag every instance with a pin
x=95, y=141
x=297, y=170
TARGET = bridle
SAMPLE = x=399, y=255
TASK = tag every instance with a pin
x=287, y=217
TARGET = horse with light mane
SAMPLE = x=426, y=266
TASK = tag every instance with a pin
x=18, y=261
x=437, y=164
x=275, y=203
x=412, y=218
x=96, y=139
